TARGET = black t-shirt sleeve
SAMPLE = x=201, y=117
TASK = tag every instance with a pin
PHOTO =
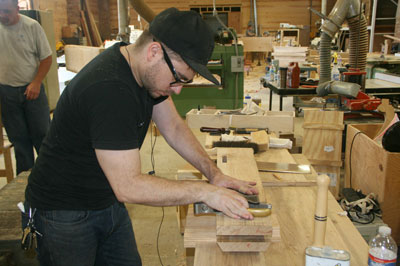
x=109, y=109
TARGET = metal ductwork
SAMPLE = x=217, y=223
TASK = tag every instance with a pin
x=143, y=9
x=123, y=21
x=346, y=89
x=343, y=10
x=123, y=16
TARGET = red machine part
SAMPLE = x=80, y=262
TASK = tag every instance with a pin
x=362, y=102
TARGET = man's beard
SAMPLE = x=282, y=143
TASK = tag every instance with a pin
x=149, y=81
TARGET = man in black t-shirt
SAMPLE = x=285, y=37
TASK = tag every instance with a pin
x=89, y=163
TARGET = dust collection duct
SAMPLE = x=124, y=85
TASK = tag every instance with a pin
x=349, y=10
x=123, y=17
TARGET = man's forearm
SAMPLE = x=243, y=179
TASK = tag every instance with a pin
x=156, y=191
x=182, y=139
x=43, y=69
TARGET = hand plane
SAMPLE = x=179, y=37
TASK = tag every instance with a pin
x=256, y=208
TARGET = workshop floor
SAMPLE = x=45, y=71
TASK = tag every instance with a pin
x=146, y=220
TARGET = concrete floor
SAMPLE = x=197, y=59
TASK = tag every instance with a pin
x=146, y=220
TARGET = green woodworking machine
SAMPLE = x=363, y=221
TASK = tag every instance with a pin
x=229, y=66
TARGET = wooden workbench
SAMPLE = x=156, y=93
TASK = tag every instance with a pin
x=10, y=195
x=294, y=208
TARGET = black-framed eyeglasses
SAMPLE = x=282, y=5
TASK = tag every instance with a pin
x=178, y=80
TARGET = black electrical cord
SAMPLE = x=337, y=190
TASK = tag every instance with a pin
x=351, y=151
x=153, y=163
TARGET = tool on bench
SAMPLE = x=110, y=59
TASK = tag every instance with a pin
x=284, y=168
x=256, y=208
x=219, y=131
x=236, y=144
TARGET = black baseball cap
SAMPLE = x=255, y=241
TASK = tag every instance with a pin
x=186, y=33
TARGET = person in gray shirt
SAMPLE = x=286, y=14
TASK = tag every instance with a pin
x=25, y=57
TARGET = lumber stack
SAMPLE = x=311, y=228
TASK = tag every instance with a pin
x=89, y=26
x=285, y=55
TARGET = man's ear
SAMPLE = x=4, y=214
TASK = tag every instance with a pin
x=153, y=51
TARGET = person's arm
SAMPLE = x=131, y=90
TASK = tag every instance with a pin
x=181, y=139
x=123, y=171
x=33, y=89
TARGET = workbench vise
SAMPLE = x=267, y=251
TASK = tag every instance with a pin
x=228, y=65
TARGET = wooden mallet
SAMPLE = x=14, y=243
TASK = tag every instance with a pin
x=318, y=253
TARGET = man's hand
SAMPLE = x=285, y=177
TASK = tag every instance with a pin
x=245, y=187
x=229, y=202
x=32, y=91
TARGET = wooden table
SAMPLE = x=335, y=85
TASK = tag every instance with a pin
x=294, y=207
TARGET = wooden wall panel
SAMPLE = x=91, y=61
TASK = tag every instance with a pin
x=269, y=12
x=73, y=12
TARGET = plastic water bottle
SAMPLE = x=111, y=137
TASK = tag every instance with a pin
x=382, y=249
x=272, y=73
x=335, y=75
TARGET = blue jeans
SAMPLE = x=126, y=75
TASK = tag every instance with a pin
x=85, y=238
x=26, y=122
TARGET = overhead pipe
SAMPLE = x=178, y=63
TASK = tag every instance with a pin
x=123, y=21
x=371, y=38
x=343, y=10
x=255, y=17
x=143, y=9
x=323, y=8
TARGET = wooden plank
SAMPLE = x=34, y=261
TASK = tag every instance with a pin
x=243, y=243
x=86, y=29
x=240, y=163
x=261, y=138
x=189, y=172
x=296, y=222
x=257, y=44
x=274, y=121
x=94, y=32
x=215, y=256
x=77, y=56
x=276, y=156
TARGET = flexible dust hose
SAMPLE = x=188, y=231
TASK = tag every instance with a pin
x=346, y=89
x=358, y=42
x=325, y=58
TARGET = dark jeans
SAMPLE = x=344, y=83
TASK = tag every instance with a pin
x=26, y=123
x=83, y=238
